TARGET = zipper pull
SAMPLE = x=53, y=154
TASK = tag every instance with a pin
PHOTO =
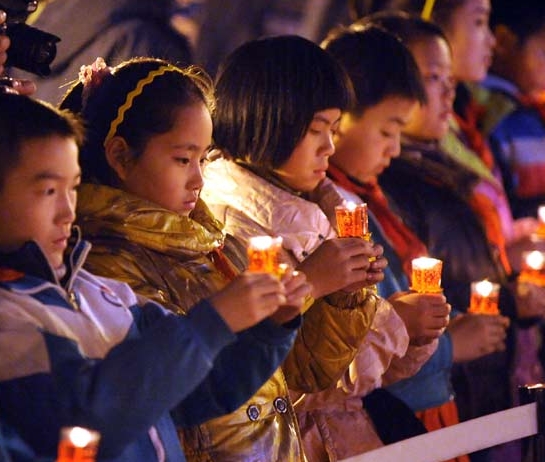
x=73, y=299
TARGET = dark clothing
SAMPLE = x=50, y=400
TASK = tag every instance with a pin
x=430, y=193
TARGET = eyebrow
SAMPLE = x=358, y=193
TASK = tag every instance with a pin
x=191, y=147
x=42, y=176
x=319, y=118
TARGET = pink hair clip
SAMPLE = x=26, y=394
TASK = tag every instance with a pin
x=91, y=76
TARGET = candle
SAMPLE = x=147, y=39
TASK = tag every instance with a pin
x=540, y=232
x=263, y=255
x=484, y=297
x=78, y=444
x=352, y=220
x=426, y=275
x=533, y=267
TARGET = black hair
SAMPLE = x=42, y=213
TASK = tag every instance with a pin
x=441, y=13
x=152, y=111
x=268, y=91
x=23, y=119
x=524, y=20
x=363, y=51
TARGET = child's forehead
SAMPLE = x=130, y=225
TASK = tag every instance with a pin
x=48, y=157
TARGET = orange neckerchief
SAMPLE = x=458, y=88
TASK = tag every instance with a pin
x=223, y=264
x=439, y=417
x=405, y=243
x=475, y=140
x=490, y=219
x=534, y=102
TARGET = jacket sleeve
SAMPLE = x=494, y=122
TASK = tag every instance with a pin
x=239, y=370
x=333, y=329
x=121, y=395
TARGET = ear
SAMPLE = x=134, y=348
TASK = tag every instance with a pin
x=118, y=156
x=506, y=40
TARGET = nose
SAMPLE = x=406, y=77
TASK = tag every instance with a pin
x=393, y=148
x=195, y=180
x=328, y=148
x=66, y=207
x=449, y=90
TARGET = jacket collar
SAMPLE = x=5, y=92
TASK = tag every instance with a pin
x=30, y=260
x=105, y=212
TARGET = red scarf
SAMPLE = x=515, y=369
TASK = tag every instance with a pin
x=405, y=243
x=534, y=102
x=475, y=140
x=223, y=265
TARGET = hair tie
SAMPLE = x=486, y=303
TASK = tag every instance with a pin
x=91, y=76
x=427, y=10
x=133, y=94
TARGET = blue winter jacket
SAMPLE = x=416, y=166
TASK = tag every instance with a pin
x=88, y=351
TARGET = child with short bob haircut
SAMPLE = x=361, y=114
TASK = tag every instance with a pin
x=276, y=134
x=80, y=350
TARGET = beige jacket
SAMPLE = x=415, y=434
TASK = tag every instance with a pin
x=332, y=422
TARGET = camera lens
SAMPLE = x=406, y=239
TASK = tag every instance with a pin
x=31, y=49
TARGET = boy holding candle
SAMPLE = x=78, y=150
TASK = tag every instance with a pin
x=368, y=140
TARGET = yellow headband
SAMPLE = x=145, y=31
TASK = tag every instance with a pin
x=133, y=94
x=427, y=10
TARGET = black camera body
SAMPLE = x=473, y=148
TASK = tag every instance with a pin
x=31, y=49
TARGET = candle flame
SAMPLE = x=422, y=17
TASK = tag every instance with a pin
x=425, y=263
x=535, y=260
x=484, y=288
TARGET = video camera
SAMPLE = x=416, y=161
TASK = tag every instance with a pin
x=31, y=49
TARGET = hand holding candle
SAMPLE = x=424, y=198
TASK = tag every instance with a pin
x=426, y=275
x=352, y=220
x=484, y=297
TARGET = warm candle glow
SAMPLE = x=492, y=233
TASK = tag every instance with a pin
x=534, y=260
x=78, y=444
x=352, y=220
x=484, y=297
x=533, y=268
x=263, y=254
x=541, y=213
x=426, y=275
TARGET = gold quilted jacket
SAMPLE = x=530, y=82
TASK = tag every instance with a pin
x=165, y=257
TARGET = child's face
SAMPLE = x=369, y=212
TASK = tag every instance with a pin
x=528, y=63
x=366, y=144
x=431, y=121
x=169, y=171
x=308, y=163
x=471, y=40
x=38, y=198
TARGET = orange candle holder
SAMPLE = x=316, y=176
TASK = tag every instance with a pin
x=485, y=297
x=426, y=275
x=78, y=444
x=533, y=267
x=352, y=220
x=264, y=255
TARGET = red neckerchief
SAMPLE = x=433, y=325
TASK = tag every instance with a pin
x=223, y=265
x=405, y=243
x=534, y=102
x=475, y=140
